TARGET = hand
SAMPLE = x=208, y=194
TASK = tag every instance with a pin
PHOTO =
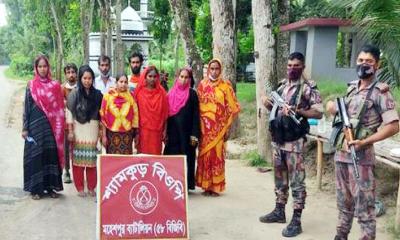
x=286, y=110
x=300, y=112
x=24, y=134
x=266, y=101
x=104, y=140
x=331, y=107
x=70, y=137
x=358, y=144
x=193, y=141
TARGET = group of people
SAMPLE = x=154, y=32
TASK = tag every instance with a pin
x=135, y=111
x=371, y=110
x=72, y=122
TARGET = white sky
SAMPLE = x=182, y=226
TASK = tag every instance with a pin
x=3, y=20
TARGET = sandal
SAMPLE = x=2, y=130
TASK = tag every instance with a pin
x=53, y=194
x=35, y=196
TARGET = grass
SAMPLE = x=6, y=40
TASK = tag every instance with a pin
x=246, y=92
x=253, y=159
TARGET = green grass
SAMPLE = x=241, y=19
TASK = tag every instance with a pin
x=255, y=160
x=246, y=92
x=11, y=75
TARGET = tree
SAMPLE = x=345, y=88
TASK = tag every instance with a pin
x=224, y=34
x=87, y=7
x=264, y=59
x=119, y=47
x=60, y=41
x=282, y=40
x=181, y=18
x=161, y=26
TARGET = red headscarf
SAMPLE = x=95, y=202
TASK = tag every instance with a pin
x=48, y=96
x=152, y=103
x=179, y=94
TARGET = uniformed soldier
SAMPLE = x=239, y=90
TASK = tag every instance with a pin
x=356, y=197
x=304, y=99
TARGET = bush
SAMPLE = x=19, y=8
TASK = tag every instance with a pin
x=21, y=64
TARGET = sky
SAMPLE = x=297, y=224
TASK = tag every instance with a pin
x=3, y=20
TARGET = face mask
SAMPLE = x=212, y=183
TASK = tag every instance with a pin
x=365, y=71
x=135, y=70
x=294, y=73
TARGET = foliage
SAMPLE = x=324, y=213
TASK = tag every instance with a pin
x=378, y=22
x=255, y=160
x=203, y=32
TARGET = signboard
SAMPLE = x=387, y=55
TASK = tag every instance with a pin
x=142, y=197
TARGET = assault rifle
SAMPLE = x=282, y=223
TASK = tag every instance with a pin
x=279, y=102
x=348, y=131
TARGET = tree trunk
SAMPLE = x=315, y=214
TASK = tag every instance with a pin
x=119, y=48
x=176, y=47
x=264, y=59
x=109, y=38
x=283, y=39
x=87, y=7
x=224, y=44
x=103, y=26
x=181, y=18
x=60, y=43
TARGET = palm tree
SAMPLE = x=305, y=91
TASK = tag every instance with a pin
x=379, y=23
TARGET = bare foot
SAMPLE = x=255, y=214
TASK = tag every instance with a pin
x=214, y=194
x=35, y=196
x=92, y=193
x=81, y=194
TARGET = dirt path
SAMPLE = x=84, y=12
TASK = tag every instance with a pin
x=232, y=216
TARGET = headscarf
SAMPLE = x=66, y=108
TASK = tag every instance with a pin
x=179, y=93
x=85, y=106
x=119, y=112
x=48, y=96
x=152, y=103
x=208, y=69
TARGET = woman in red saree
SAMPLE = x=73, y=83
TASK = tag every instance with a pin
x=152, y=103
x=218, y=109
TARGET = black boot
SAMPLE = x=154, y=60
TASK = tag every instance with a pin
x=294, y=227
x=276, y=216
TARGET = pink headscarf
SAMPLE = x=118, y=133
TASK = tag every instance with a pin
x=179, y=94
x=48, y=96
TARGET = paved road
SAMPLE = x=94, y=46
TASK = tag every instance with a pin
x=233, y=216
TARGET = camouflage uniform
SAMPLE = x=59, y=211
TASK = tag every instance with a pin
x=288, y=157
x=357, y=197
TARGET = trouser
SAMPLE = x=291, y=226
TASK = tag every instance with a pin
x=91, y=177
x=67, y=150
x=355, y=197
x=289, y=168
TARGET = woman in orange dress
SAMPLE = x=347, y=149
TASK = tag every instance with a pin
x=218, y=109
x=152, y=103
x=119, y=115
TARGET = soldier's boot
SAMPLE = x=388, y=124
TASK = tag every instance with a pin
x=276, y=216
x=294, y=227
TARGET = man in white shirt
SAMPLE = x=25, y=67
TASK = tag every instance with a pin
x=104, y=81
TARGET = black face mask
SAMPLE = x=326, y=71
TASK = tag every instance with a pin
x=365, y=71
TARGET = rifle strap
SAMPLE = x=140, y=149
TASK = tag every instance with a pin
x=361, y=111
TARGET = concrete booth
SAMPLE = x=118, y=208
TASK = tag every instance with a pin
x=320, y=40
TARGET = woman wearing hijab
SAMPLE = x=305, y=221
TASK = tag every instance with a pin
x=183, y=126
x=43, y=131
x=218, y=109
x=83, y=117
x=153, y=111
x=119, y=115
